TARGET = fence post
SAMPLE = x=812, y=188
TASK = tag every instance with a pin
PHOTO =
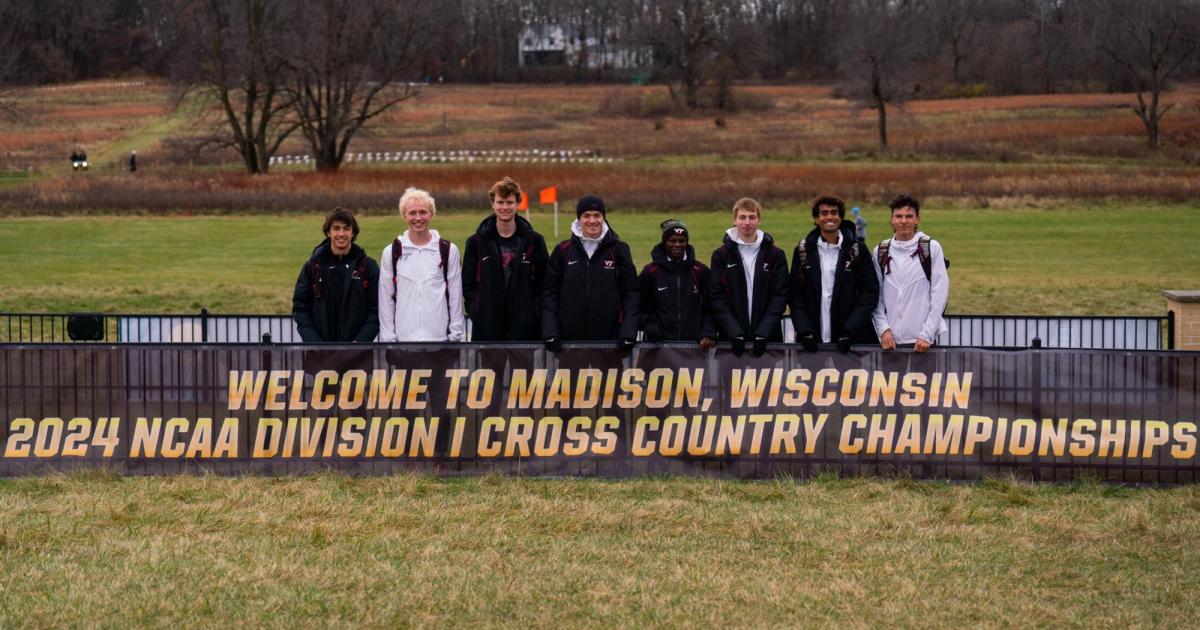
x=1170, y=330
x=203, y=325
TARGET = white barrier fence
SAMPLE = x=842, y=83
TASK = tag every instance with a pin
x=584, y=156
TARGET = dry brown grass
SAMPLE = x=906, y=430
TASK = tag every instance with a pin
x=91, y=549
x=625, y=185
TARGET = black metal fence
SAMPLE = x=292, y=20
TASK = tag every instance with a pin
x=968, y=331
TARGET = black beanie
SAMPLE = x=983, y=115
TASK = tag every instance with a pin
x=671, y=227
x=590, y=202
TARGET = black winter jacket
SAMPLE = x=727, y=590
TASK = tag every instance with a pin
x=352, y=314
x=728, y=290
x=855, y=289
x=674, y=303
x=590, y=299
x=501, y=311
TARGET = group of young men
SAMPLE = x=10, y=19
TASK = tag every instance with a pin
x=837, y=290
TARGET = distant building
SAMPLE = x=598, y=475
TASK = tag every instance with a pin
x=554, y=45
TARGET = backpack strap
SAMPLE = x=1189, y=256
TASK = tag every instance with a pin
x=802, y=258
x=444, y=252
x=885, y=260
x=361, y=270
x=397, y=249
x=926, y=258
x=314, y=280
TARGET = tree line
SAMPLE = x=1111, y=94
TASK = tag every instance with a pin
x=325, y=68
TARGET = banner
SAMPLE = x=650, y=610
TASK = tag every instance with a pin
x=592, y=411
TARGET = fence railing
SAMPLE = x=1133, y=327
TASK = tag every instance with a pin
x=982, y=331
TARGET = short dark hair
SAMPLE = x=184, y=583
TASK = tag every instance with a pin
x=829, y=200
x=906, y=200
x=343, y=215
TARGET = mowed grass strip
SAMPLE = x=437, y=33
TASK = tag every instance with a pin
x=1111, y=259
x=93, y=549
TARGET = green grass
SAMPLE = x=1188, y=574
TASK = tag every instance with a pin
x=1108, y=259
x=94, y=549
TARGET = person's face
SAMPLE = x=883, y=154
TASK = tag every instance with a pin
x=746, y=222
x=340, y=236
x=904, y=222
x=828, y=219
x=676, y=245
x=591, y=223
x=505, y=207
x=418, y=216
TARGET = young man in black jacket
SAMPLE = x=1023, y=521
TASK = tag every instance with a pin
x=591, y=284
x=674, y=303
x=749, y=282
x=503, y=270
x=833, y=285
x=336, y=295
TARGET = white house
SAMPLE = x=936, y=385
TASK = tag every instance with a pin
x=556, y=45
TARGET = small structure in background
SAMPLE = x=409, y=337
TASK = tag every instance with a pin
x=551, y=45
x=133, y=161
x=79, y=160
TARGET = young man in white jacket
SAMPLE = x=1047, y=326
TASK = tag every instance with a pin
x=420, y=279
x=913, y=283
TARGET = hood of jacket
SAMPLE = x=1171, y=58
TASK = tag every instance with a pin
x=731, y=240
x=605, y=232
x=323, y=251
x=659, y=256
x=847, y=228
x=906, y=247
x=488, y=226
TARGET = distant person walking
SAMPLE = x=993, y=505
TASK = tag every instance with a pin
x=860, y=224
x=133, y=161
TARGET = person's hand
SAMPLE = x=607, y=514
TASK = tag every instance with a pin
x=760, y=347
x=809, y=342
x=843, y=343
x=626, y=344
x=707, y=343
x=921, y=345
x=887, y=341
x=739, y=346
x=553, y=344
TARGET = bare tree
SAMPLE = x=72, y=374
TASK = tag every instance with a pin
x=233, y=54
x=876, y=47
x=956, y=26
x=686, y=35
x=1152, y=41
x=354, y=63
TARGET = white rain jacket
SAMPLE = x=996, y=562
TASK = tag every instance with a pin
x=417, y=307
x=909, y=305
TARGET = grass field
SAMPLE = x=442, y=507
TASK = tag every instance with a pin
x=90, y=549
x=1045, y=205
x=1109, y=259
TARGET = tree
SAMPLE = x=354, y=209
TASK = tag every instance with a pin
x=1152, y=41
x=876, y=47
x=234, y=53
x=354, y=63
x=686, y=35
